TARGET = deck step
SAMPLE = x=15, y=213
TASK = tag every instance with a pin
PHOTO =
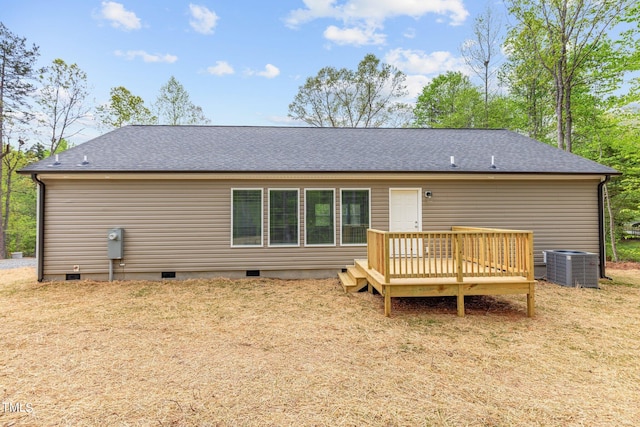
x=353, y=280
x=355, y=272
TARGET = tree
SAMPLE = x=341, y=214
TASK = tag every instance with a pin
x=17, y=71
x=530, y=88
x=370, y=96
x=478, y=53
x=608, y=131
x=449, y=101
x=564, y=35
x=123, y=109
x=62, y=101
x=18, y=227
x=174, y=106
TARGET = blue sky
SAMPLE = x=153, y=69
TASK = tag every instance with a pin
x=242, y=61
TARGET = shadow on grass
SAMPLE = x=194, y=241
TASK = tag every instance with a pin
x=473, y=306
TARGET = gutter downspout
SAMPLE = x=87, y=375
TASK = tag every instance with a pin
x=601, y=231
x=40, y=222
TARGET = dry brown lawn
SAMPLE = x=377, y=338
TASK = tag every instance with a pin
x=268, y=352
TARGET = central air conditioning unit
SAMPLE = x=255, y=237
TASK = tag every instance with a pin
x=572, y=268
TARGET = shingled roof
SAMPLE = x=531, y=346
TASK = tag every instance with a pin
x=300, y=149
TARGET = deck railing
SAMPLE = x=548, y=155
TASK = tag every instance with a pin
x=461, y=252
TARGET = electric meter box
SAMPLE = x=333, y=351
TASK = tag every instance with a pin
x=115, y=243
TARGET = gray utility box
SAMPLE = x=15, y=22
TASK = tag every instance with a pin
x=572, y=268
x=115, y=243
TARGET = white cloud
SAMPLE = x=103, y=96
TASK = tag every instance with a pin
x=369, y=15
x=285, y=121
x=119, y=16
x=420, y=67
x=203, y=20
x=415, y=84
x=418, y=62
x=378, y=10
x=220, y=69
x=410, y=33
x=146, y=57
x=354, y=36
x=270, y=71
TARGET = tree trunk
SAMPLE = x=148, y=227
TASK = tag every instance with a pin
x=568, y=120
x=7, y=205
x=486, y=94
x=3, y=240
x=559, y=109
x=559, y=124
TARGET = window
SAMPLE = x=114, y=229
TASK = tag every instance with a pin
x=283, y=218
x=319, y=217
x=246, y=221
x=355, y=216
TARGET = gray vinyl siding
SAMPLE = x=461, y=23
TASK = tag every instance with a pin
x=562, y=214
x=185, y=225
x=182, y=226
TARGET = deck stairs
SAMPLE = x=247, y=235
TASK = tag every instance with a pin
x=354, y=279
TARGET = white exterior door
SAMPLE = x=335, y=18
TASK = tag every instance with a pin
x=405, y=214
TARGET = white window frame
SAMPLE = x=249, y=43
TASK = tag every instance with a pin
x=261, y=218
x=282, y=245
x=333, y=199
x=340, y=215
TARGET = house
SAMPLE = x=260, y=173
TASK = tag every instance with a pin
x=190, y=201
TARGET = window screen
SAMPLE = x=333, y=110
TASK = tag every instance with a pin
x=355, y=216
x=319, y=217
x=247, y=218
x=283, y=217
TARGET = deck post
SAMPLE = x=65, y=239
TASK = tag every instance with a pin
x=531, y=296
x=459, y=255
x=531, y=266
x=387, y=300
x=459, y=274
x=531, y=300
x=460, y=300
x=387, y=257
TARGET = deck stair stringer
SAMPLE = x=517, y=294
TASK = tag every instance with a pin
x=354, y=279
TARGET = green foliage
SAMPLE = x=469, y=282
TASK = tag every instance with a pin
x=568, y=40
x=610, y=136
x=530, y=88
x=449, y=101
x=370, y=96
x=125, y=108
x=628, y=250
x=174, y=106
x=17, y=72
x=20, y=218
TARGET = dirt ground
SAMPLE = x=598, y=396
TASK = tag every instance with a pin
x=271, y=352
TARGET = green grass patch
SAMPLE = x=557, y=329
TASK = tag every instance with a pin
x=628, y=250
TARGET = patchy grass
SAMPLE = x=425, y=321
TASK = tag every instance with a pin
x=627, y=249
x=269, y=352
x=630, y=250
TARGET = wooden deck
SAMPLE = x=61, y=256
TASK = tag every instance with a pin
x=464, y=261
